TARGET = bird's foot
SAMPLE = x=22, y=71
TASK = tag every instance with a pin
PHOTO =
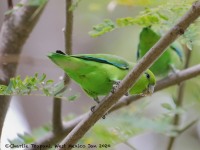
x=174, y=69
x=126, y=94
x=92, y=110
x=96, y=99
x=104, y=116
x=115, y=86
x=93, y=107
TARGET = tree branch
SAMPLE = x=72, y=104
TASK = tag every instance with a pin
x=14, y=31
x=172, y=80
x=68, y=28
x=57, y=103
x=10, y=4
x=152, y=55
x=179, y=102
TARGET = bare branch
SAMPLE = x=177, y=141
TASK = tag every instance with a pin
x=132, y=77
x=57, y=103
x=10, y=4
x=68, y=28
x=179, y=101
x=162, y=84
x=14, y=31
x=57, y=116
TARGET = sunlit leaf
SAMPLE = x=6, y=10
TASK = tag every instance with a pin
x=36, y=85
x=73, y=97
x=167, y=106
x=162, y=16
x=102, y=28
x=136, y=2
x=37, y=2
x=49, y=81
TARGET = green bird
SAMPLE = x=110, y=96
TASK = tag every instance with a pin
x=171, y=59
x=99, y=74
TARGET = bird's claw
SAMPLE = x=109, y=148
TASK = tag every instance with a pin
x=126, y=94
x=104, y=117
x=92, y=110
x=115, y=86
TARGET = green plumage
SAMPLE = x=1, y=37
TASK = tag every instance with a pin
x=96, y=73
x=172, y=57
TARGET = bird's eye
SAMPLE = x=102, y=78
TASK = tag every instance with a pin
x=147, y=75
x=60, y=52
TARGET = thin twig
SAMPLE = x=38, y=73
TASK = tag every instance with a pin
x=180, y=131
x=179, y=102
x=129, y=145
x=68, y=28
x=15, y=25
x=57, y=102
x=162, y=84
x=57, y=116
x=10, y=4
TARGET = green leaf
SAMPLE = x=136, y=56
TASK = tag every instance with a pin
x=49, y=82
x=42, y=78
x=27, y=138
x=164, y=17
x=36, y=75
x=36, y=2
x=36, y=85
x=2, y=88
x=167, y=106
x=73, y=97
x=46, y=92
x=102, y=28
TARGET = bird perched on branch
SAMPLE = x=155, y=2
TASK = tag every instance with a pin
x=170, y=60
x=99, y=74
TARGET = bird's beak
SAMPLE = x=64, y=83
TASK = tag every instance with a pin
x=148, y=91
x=151, y=89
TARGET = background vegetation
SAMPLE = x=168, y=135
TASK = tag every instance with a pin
x=100, y=27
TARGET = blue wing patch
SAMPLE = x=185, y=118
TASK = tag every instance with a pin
x=178, y=52
x=101, y=60
x=138, y=52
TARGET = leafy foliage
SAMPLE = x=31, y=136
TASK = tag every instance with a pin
x=134, y=2
x=102, y=28
x=37, y=2
x=27, y=138
x=164, y=16
x=128, y=123
x=36, y=85
x=118, y=128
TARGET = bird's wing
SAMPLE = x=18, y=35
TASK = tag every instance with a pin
x=106, y=59
x=177, y=49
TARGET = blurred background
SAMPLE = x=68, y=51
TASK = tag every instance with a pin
x=30, y=112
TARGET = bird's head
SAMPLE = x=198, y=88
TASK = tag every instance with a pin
x=144, y=85
x=151, y=81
